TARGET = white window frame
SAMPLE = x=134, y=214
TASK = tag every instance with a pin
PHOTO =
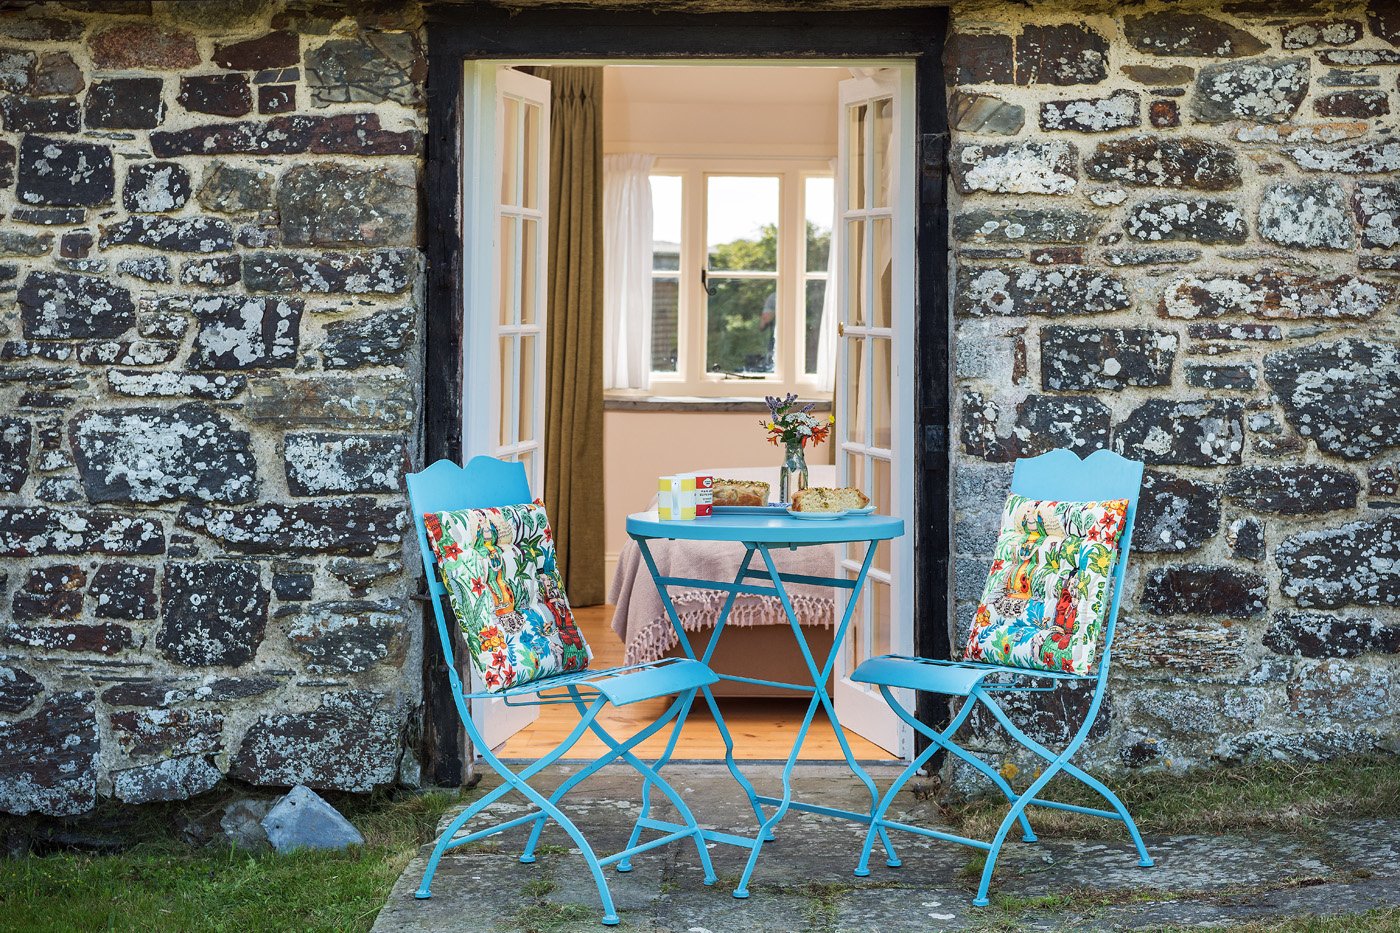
x=690, y=377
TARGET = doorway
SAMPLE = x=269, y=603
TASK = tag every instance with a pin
x=876, y=236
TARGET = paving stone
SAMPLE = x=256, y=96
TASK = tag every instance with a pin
x=18, y=689
x=382, y=339
x=61, y=305
x=302, y=820
x=38, y=115
x=1040, y=423
x=1330, y=635
x=61, y=173
x=345, y=637
x=1165, y=162
x=279, y=49
x=1245, y=536
x=382, y=271
x=1261, y=90
x=1271, y=294
x=1377, y=206
x=1016, y=168
x=1060, y=55
x=162, y=454
x=48, y=762
x=1199, y=589
x=986, y=114
x=173, y=779
x=215, y=613
x=1355, y=563
x=1202, y=220
x=1293, y=490
x=318, y=463
x=1175, y=513
x=1084, y=359
x=978, y=58
x=174, y=234
x=1117, y=111
x=1173, y=33
x=350, y=743
x=1018, y=225
x=225, y=95
x=143, y=47
x=342, y=134
x=153, y=187
x=355, y=525
x=369, y=68
x=1022, y=290
x=1360, y=159
x=1311, y=215
x=236, y=332
x=1186, y=433
x=330, y=205
x=125, y=104
x=1342, y=394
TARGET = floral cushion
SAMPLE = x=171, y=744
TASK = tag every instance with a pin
x=1049, y=589
x=499, y=569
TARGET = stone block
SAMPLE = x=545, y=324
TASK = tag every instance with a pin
x=381, y=339
x=1119, y=110
x=356, y=134
x=381, y=271
x=125, y=104
x=162, y=454
x=124, y=591
x=1356, y=105
x=1356, y=563
x=230, y=189
x=62, y=305
x=143, y=46
x=1026, y=225
x=213, y=272
x=359, y=575
x=346, y=637
x=1377, y=206
x=1329, y=635
x=106, y=638
x=1271, y=294
x=48, y=762
x=332, y=402
x=1152, y=256
x=16, y=441
x=1310, y=215
x=237, y=332
x=183, y=691
x=1202, y=220
x=1025, y=290
x=52, y=592
x=208, y=386
x=154, y=269
x=1195, y=35
x=986, y=114
x=154, y=187
x=173, y=234
x=16, y=69
x=279, y=49
x=1040, y=423
x=60, y=173
x=172, y=779
x=17, y=245
x=56, y=73
x=1165, y=162
x=40, y=115
x=1016, y=168
x=355, y=526
x=1321, y=31
x=1184, y=433
x=168, y=732
x=18, y=689
x=1184, y=648
x=319, y=463
x=1164, y=114
x=1060, y=55
x=1384, y=20
x=277, y=98
x=37, y=531
x=1241, y=377
x=1361, y=159
x=224, y=95
x=1261, y=90
x=1204, y=590
x=331, y=205
x=1077, y=359
x=1293, y=490
x=302, y=820
x=978, y=58
x=1333, y=690
x=1245, y=536
x=1344, y=394
x=215, y=613
x=296, y=586
x=241, y=823
x=1159, y=75
x=1175, y=514
x=351, y=743
x=369, y=68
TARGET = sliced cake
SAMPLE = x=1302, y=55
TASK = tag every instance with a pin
x=823, y=499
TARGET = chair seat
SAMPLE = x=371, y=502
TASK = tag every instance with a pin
x=952, y=678
x=622, y=685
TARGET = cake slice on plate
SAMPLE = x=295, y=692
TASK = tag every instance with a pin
x=823, y=499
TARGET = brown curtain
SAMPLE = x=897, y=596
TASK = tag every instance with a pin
x=573, y=459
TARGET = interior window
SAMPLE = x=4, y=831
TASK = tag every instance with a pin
x=742, y=230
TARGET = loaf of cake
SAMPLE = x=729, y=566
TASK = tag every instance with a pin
x=821, y=499
x=740, y=492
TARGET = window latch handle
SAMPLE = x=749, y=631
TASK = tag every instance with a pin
x=710, y=290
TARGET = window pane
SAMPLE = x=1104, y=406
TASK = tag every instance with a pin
x=665, y=322
x=529, y=270
x=526, y=377
x=510, y=270
x=665, y=222
x=530, y=154
x=883, y=131
x=741, y=222
x=855, y=158
x=857, y=390
x=742, y=319
x=881, y=267
x=855, y=283
x=818, y=206
x=816, y=298
x=510, y=150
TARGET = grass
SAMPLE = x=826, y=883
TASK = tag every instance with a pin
x=164, y=884
x=1288, y=797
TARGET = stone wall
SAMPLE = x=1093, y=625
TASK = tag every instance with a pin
x=1176, y=233
x=209, y=376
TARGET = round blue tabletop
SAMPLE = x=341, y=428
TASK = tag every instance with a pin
x=767, y=529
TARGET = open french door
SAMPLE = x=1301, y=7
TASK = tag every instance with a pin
x=874, y=377
x=505, y=191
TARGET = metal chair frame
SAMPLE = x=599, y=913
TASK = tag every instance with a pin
x=1059, y=475
x=483, y=483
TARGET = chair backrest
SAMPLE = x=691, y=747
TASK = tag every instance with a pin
x=483, y=483
x=1061, y=475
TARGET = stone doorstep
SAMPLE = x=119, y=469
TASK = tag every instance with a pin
x=804, y=880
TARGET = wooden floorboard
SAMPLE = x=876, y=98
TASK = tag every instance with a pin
x=763, y=729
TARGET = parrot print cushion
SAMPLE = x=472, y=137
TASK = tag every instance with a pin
x=1047, y=596
x=504, y=586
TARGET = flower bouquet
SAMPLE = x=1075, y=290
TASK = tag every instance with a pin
x=793, y=428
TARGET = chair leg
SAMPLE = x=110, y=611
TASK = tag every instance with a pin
x=862, y=868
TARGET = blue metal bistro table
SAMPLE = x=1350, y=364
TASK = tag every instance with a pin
x=759, y=534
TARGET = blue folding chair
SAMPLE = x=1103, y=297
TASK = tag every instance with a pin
x=488, y=483
x=1062, y=476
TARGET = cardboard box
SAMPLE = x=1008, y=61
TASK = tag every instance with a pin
x=675, y=500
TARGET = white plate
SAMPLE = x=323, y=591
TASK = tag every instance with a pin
x=817, y=516
x=771, y=508
x=868, y=510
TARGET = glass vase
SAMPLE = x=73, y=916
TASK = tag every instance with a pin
x=793, y=476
